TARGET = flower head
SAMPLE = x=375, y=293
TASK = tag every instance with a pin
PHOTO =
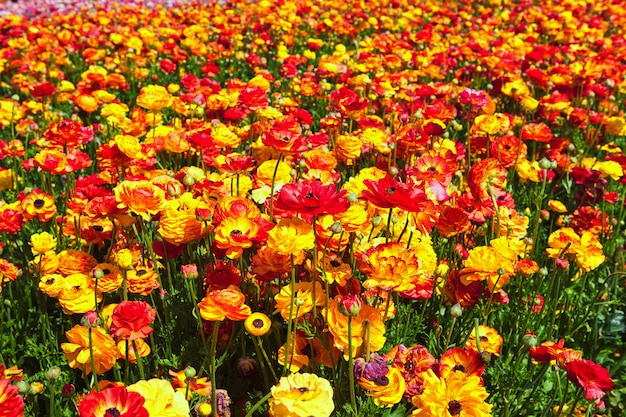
x=131, y=320
x=221, y=304
x=113, y=402
x=594, y=379
x=302, y=395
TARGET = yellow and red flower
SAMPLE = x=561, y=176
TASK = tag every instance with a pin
x=223, y=304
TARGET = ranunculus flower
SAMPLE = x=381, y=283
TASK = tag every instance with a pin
x=223, y=304
x=594, y=379
x=131, y=320
x=302, y=395
x=113, y=401
x=11, y=402
x=161, y=398
x=76, y=350
x=312, y=198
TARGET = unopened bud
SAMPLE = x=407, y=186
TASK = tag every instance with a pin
x=456, y=310
x=190, y=372
x=529, y=340
x=53, y=373
x=377, y=220
x=91, y=319
x=336, y=227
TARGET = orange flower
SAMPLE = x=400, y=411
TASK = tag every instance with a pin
x=76, y=350
x=223, y=304
x=338, y=327
x=8, y=272
x=140, y=197
x=236, y=234
x=485, y=174
x=75, y=261
x=489, y=340
x=200, y=386
x=178, y=223
x=38, y=204
x=461, y=360
x=391, y=266
x=142, y=280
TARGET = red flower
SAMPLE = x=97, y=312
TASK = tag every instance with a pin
x=389, y=193
x=131, y=320
x=42, y=89
x=594, y=379
x=11, y=402
x=113, y=402
x=11, y=220
x=285, y=135
x=539, y=132
x=312, y=198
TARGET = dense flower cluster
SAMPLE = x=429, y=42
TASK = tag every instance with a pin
x=275, y=193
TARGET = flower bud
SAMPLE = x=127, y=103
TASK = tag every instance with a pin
x=561, y=263
x=485, y=357
x=377, y=220
x=529, y=340
x=35, y=388
x=353, y=197
x=336, y=227
x=189, y=271
x=349, y=305
x=97, y=273
x=23, y=387
x=545, y=163
x=456, y=310
x=174, y=189
x=393, y=171
x=68, y=390
x=53, y=373
x=204, y=410
x=190, y=372
x=247, y=368
x=188, y=180
x=91, y=319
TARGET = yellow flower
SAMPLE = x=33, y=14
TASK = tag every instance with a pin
x=489, y=339
x=391, y=267
x=303, y=299
x=487, y=123
x=258, y=324
x=291, y=236
x=302, y=395
x=154, y=98
x=265, y=173
x=42, y=243
x=338, y=327
x=6, y=179
x=161, y=398
x=124, y=259
x=457, y=395
x=76, y=350
x=388, y=391
x=223, y=137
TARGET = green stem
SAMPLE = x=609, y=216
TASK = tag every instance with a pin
x=212, y=365
x=94, y=377
x=351, y=367
x=258, y=404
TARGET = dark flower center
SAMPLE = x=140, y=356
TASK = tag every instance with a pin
x=459, y=367
x=50, y=282
x=258, y=323
x=303, y=389
x=308, y=195
x=382, y=381
x=98, y=228
x=454, y=408
x=432, y=169
x=106, y=271
x=39, y=203
x=236, y=233
x=335, y=263
x=391, y=190
x=141, y=272
x=484, y=339
x=112, y=412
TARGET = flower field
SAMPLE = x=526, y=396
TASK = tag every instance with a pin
x=299, y=208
